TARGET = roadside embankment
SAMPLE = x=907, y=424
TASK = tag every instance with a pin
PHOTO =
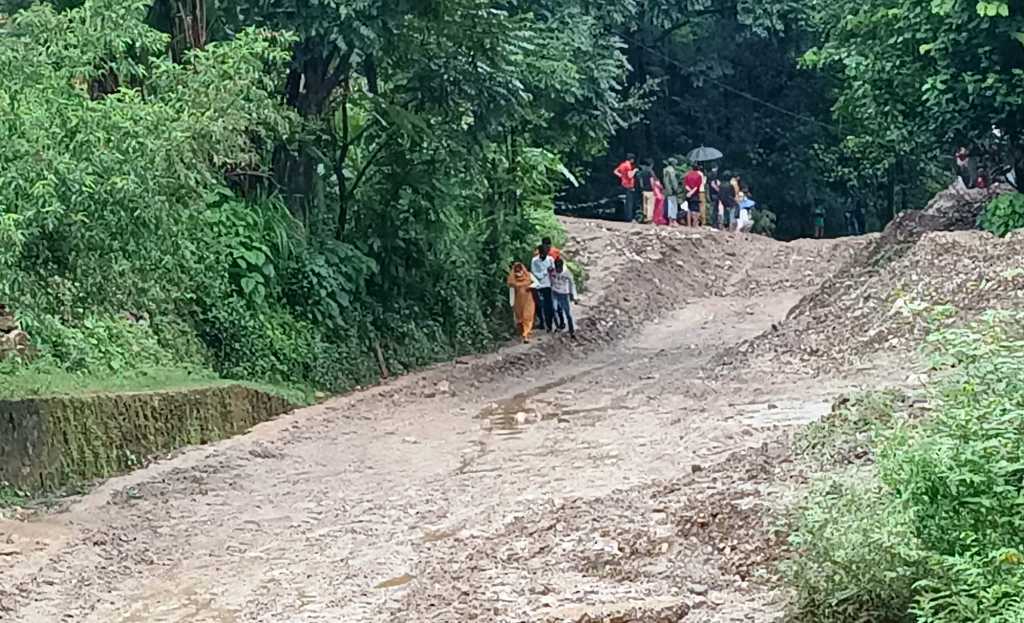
x=51, y=443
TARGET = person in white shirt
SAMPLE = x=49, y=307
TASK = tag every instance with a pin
x=563, y=286
x=542, y=266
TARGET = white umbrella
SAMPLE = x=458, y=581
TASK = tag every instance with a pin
x=704, y=154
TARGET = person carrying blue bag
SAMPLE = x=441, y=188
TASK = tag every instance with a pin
x=745, y=219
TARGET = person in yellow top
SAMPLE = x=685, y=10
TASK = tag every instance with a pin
x=521, y=282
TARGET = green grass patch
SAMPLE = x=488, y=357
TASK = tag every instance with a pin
x=11, y=496
x=42, y=380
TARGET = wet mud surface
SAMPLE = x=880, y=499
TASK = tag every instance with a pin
x=623, y=477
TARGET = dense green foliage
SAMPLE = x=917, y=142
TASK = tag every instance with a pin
x=1004, y=214
x=281, y=193
x=937, y=538
x=856, y=555
x=917, y=77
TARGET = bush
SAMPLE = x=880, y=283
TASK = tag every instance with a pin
x=948, y=513
x=322, y=285
x=855, y=555
x=97, y=343
x=764, y=222
x=960, y=473
x=271, y=345
x=971, y=588
x=846, y=434
x=1003, y=214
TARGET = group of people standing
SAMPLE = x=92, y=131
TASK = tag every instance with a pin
x=693, y=198
x=967, y=170
x=542, y=296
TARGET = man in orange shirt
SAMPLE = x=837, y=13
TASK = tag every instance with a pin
x=626, y=172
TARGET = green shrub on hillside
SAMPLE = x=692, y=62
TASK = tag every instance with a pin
x=846, y=434
x=98, y=343
x=951, y=494
x=1004, y=214
x=985, y=586
x=855, y=555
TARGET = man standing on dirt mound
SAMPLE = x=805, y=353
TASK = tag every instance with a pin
x=626, y=172
x=554, y=253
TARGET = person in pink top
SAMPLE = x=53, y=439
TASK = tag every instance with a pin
x=660, y=214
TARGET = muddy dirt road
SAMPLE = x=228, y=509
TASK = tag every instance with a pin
x=542, y=483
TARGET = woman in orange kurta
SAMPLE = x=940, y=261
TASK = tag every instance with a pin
x=521, y=283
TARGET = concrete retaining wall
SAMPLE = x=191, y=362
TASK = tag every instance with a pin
x=47, y=443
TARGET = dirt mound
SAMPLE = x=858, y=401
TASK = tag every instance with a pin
x=649, y=554
x=879, y=300
x=959, y=209
x=642, y=273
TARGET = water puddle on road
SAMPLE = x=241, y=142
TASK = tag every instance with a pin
x=178, y=605
x=433, y=537
x=401, y=580
x=513, y=416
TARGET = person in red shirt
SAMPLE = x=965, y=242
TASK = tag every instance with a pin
x=691, y=189
x=626, y=172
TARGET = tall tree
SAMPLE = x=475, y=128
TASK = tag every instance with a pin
x=920, y=77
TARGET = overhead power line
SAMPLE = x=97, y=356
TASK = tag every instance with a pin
x=736, y=91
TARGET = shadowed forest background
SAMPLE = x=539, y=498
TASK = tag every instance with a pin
x=312, y=193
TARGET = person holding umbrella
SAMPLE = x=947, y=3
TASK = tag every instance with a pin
x=699, y=156
x=692, y=184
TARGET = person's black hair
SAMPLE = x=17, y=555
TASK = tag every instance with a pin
x=630, y=156
x=559, y=263
x=649, y=162
x=546, y=240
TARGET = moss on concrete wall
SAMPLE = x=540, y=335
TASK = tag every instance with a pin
x=47, y=443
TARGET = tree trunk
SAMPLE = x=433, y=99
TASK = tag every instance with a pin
x=188, y=27
x=891, y=194
x=317, y=69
